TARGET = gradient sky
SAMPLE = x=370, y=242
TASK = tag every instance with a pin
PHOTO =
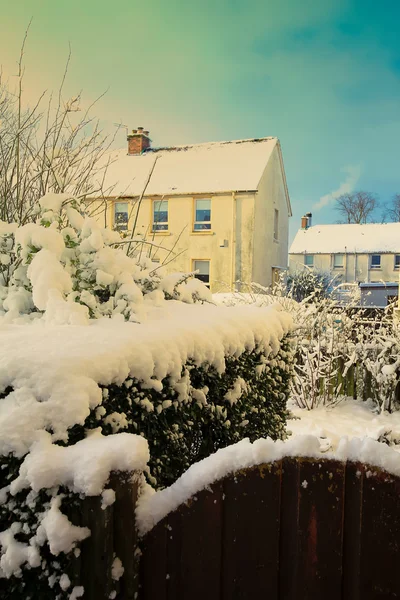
x=322, y=75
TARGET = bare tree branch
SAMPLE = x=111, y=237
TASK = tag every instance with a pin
x=357, y=207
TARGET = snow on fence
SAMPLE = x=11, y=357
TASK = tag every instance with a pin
x=297, y=527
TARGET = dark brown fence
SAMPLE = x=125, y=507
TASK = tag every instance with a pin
x=296, y=529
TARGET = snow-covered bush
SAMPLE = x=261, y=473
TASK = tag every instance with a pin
x=308, y=284
x=341, y=348
x=69, y=268
x=103, y=357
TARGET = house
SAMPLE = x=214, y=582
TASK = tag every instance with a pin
x=366, y=253
x=220, y=209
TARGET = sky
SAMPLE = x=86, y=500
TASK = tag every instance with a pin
x=322, y=75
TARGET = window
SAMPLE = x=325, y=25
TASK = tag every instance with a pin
x=202, y=214
x=276, y=224
x=121, y=216
x=309, y=260
x=160, y=215
x=397, y=261
x=375, y=261
x=203, y=271
x=338, y=260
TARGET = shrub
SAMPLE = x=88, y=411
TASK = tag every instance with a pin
x=308, y=284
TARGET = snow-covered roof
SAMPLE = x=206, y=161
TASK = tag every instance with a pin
x=212, y=167
x=329, y=239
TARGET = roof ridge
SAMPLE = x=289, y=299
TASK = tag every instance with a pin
x=348, y=224
x=205, y=144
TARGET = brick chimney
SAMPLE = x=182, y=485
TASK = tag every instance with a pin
x=306, y=221
x=138, y=141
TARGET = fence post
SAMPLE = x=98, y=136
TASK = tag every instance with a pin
x=113, y=534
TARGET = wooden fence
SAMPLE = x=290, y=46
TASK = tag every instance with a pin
x=295, y=529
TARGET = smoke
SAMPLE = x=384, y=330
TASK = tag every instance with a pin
x=347, y=186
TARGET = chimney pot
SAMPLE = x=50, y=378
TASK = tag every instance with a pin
x=138, y=141
x=304, y=222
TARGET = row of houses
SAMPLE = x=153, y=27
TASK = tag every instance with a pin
x=365, y=254
x=222, y=210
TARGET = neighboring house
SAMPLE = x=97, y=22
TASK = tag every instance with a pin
x=367, y=253
x=219, y=208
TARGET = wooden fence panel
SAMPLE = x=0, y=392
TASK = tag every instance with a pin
x=97, y=550
x=289, y=524
x=201, y=546
x=320, y=527
x=251, y=534
x=380, y=536
x=352, y=532
x=125, y=534
x=153, y=571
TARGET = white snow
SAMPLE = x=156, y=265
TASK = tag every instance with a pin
x=15, y=554
x=55, y=370
x=201, y=168
x=107, y=498
x=64, y=582
x=117, y=570
x=350, y=418
x=84, y=467
x=58, y=531
x=77, y=592
x=329, y=239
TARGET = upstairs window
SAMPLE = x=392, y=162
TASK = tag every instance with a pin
x=121, y=216
x=309, y=260
x=276, y=225
x=203, y=271
x=375, y=261
x=397, y=261
x=160, y=215
x=338, y=261
x=202, y=214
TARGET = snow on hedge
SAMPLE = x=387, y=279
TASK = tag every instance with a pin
x=55, y=370
x=153, y=506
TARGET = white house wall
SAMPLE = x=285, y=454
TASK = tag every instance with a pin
x=181, y=246
x=271, y=195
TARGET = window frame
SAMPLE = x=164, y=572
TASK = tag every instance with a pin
x=375, y=267
x=153, y=222
x=334, y=258
x=276, y=225
x=125, y=225
x=396, y=266
x=194, y=222
x=208, y=260
x=312, y=260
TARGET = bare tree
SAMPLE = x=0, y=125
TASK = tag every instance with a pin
x=392, y=210
x=357, y=207
x=54, y=148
